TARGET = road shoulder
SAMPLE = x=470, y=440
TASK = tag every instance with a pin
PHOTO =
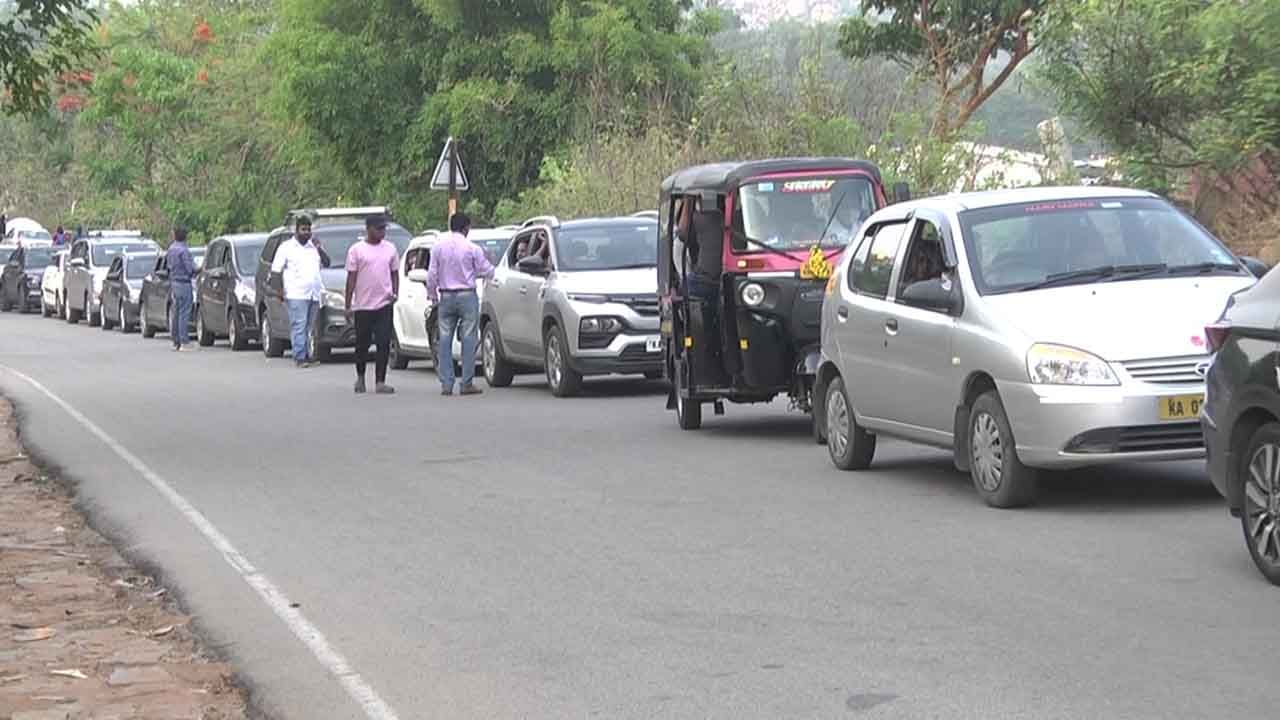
x=82, y=632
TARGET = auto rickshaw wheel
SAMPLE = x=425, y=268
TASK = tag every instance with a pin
x=688, y=412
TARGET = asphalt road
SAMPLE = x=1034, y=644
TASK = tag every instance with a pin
x=518, y=556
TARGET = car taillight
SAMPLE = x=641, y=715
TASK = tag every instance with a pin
x=1216, y=335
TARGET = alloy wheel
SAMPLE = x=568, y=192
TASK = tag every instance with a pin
x=488, y=354
x=987, y=450
x=233, y=332
x=555, y=373
x=838, y=426
x=120, y=315
x=1262, y=503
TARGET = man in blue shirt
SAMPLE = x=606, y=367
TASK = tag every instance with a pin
x=182, y=269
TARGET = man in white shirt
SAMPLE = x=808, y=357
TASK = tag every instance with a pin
x=298, y=262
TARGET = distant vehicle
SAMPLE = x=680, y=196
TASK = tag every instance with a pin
x=1241, y=417
x=7, y=251
x=87, y=270
x=331, y=329
x=227, y=303
x=573, y=299
x=338, y=215
x=1023, y=329
x=122, y=290
x=21, y=278
x=416, y=329
x=27, y=232
x=51, y=285
x=155, y=300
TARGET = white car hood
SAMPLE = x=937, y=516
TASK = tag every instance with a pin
x=632, y=281
x=1119, y=321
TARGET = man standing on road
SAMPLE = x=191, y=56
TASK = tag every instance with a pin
x=182, y=268
x=298, y=262
x=456, y=263
x=372, y=288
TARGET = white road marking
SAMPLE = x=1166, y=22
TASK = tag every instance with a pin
x=375, y=708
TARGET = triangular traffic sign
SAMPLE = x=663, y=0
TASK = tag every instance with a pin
x=440, y=178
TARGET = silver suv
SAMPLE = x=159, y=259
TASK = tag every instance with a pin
x=1023, y=329
x=574, y=299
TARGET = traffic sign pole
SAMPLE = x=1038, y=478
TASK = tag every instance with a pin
x=453, y=179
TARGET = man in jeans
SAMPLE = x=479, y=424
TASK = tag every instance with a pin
x=373, y=284
x=298, y=262
x=182, y=268
x=456, y=263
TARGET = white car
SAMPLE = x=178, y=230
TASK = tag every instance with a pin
x=26, y=232
x=414, y=317
x=51, y=286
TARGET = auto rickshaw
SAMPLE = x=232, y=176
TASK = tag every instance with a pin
x=744, y=253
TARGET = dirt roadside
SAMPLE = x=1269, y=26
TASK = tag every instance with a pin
x=83, y=635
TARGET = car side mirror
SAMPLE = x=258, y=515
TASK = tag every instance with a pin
x=77, y=262
x=938, y=295
x=533, y=265
x=1255, y=266
x=417, y=275
x=901, y=192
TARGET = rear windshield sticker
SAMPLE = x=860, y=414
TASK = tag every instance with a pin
x=765, y=187
x=808, y=186
x=1061, y=205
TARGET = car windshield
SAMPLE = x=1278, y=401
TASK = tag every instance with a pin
x=336, y=243
x=794, y=214
x=608, y=247
x=104, y=254
x=493, y=249
x=37, y=235
x=139, y=267
x=1033, y=245
x=38, y=258
x=247, y=254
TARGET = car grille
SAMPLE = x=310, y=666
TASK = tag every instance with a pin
x=1168, y=371
x=637, y=354
x=646, y=305
x=1139, y=438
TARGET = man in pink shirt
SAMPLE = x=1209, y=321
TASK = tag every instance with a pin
x=372, y=287
x=456, y=263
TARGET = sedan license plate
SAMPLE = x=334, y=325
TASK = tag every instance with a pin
x=1180, y=407
x=653, y=344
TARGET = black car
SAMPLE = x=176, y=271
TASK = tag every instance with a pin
x=1241, y=417
x=227, y=301
x=20, y=281
x=121, y=298
x=155, y=301
x=331, y=329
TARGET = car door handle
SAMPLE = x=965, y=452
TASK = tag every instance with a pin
x=842, y=314
x=891, y=326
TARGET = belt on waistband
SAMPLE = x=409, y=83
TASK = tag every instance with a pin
x=457, y=290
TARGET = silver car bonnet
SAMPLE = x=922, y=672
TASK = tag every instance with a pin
x=631, y=281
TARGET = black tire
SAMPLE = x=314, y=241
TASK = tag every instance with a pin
x=271, y=347
x=235, y=332
x=203, y=335
x=1258, y=520
x=850, y=446
x=144, y=323
x=688, y=413
x=315, y=349
x=563, y=380
x=105, y=321
x=497, y=371
x=169, y=319
x=95, y=319
x=73, y=315
x=398, y=360
x=999, y=476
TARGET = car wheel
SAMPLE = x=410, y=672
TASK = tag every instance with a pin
x=169, y=321
x=1260, y=518
x=271, y=347
x=235, y=332
x=105, y=320
x=95, y=318
x=999, y=476
x=850, y=446
x=398, y=360
x=122, y=320
x=688, y=412
x=203, y=336
x=564, y=380
x=144, y=323
x=317, y=350
x=72, y=315
x=497, y=371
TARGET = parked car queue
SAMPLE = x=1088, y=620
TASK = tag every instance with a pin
x=1021, y=330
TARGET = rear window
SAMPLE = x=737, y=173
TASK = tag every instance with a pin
x=140, y=267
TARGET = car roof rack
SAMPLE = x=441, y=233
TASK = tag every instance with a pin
x=549, y=220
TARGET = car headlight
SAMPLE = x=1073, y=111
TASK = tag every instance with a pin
x=245, y=293
x=334, y=300
x=588, y=298
x=752, y=294
x=1060, y=365
x=599, y=325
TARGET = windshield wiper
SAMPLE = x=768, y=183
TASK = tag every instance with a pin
x=1100, y=272
x=823, y=235
x=1203, y=268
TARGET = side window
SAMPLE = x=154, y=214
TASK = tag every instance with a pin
x=113, y=271
x=269, y=250
x=873, y=275
x=924, y=258
x=520, y=248
x=417, y=259
x=17, y=258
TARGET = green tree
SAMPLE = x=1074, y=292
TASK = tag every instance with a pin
x=966, y=48
x=39, y=40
